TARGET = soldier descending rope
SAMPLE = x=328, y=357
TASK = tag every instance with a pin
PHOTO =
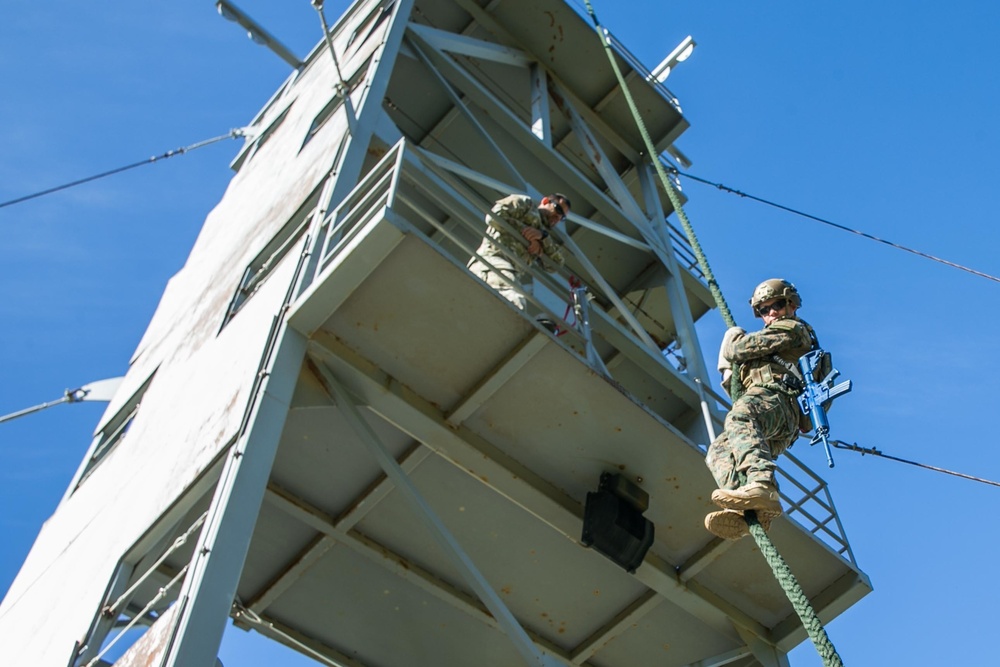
x=765, y=418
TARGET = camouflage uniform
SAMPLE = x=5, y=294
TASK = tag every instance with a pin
x=765, y=420
x=518, y=211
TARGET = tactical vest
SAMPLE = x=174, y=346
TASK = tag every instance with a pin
x=780, y=371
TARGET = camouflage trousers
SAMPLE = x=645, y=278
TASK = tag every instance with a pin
x=495, y=279
x=760, y=426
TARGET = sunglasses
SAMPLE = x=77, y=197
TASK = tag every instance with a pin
x=767, y=308
x=557, y=207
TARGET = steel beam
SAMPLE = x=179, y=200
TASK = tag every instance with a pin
x=210, y=585
x=679, y=306
x=405, y=569
x=308, y=557
x=483, y=18
x=369, y=107
x=765, y=653
x=541, y=124
x=469, y=46
x=618, y=626
x=727, y=658
x=461, y=106
x=293, y=639
x=522, y=642
x=496, y=378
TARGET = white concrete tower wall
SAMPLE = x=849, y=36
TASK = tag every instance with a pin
x=203, y=368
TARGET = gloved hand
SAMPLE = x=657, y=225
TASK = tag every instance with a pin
x=731, y=334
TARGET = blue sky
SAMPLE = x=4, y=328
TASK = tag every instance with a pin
x=878, y=116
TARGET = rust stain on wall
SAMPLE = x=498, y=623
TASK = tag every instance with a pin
x=148, y=649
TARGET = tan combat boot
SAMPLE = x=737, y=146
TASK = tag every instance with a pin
x=754, y=496
x=731, y=525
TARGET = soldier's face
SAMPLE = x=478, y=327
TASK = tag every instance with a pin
x=553, y=211
x=774, y=309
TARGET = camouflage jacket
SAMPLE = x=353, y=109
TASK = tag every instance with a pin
x=519, y=211
x=788, y=338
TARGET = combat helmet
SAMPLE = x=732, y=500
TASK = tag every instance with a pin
x=774, y=288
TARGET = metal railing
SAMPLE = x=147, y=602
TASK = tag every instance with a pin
x=807, y=497
x=812, y=507
x=447, y=209
x=125, y=611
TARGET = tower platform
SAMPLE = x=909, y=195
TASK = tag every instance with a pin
x=503, y=429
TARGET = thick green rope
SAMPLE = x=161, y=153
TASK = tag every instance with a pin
x=735, y=386
x=675, y=198
x=798, y=598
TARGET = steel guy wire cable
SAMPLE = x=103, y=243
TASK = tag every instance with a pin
x=233, y=134
x=726, y=188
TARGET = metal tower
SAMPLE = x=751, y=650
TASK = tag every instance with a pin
x=334, y=434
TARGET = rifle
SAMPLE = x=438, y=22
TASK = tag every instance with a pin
x=816, y=394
